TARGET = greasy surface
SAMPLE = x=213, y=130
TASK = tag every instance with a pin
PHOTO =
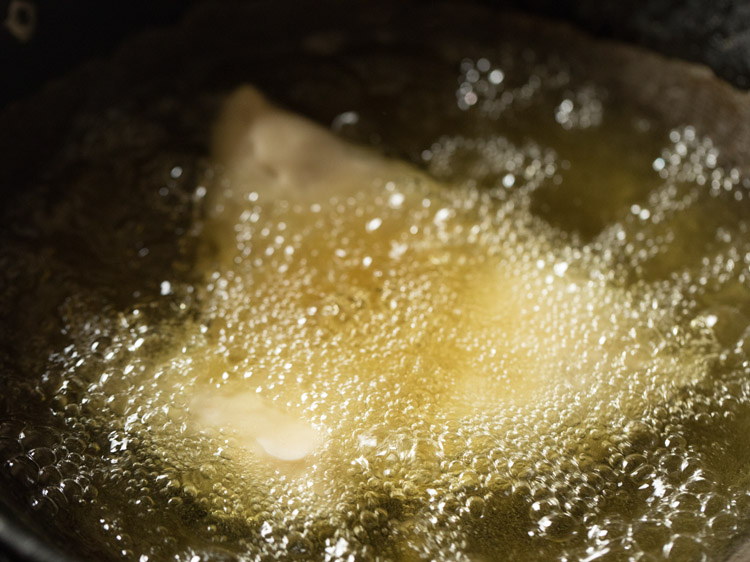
x=530, y=343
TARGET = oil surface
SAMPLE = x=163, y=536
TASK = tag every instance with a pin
x=521, y=333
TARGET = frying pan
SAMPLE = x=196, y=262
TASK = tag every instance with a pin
x=42, y=40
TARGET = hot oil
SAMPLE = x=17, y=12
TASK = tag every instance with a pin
x=529, y=343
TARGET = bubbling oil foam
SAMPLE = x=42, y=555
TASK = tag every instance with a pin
x=415, y=364
x=390, y=367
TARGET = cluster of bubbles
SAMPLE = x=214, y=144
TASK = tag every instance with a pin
x=487, y=384
x=484, y=87
x=580, y=111
x=493, y=163
x=704, y=285
x=479, y=81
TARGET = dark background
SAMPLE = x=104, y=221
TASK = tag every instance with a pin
x=64, y=33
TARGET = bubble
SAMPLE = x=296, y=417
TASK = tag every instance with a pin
x=23, y=470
